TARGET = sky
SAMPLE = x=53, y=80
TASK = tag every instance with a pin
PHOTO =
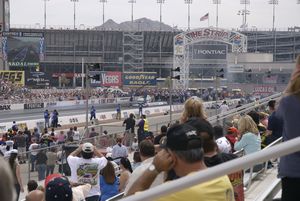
x=29, y=13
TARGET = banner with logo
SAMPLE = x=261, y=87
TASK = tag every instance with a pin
x=264, y=90
x=111, y=79
x=271, y=79
x=37, y=79
x=29, y=106
x=16, y=77
x=215, y=52
x=139, y=79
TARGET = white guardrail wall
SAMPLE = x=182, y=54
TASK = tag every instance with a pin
x=101, y=116
x=57, y=104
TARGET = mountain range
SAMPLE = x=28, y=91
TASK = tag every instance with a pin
x=142, y=24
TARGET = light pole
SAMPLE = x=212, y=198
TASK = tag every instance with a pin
x=274, y=3
x=160, y=2
x=245, y=11
x=132, y=2
x=217, y=2
x=74, y=10
x=188, y=2
x=103, y=14
x=45, y=13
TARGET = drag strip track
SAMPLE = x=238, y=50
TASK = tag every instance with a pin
x=39, y=113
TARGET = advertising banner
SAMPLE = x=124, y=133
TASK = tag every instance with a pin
x=29, y=106
x=111, y=79
x=235, y=68
x=270, y=79
x=37, y=79
x=215, y=52
x=263, y=90
x=16, y=77
x=5, y=107
x=139, y=79
x=23, y=49
x=106, y=79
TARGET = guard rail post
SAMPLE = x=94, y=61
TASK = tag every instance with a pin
x=29, y=162
x=101, y=129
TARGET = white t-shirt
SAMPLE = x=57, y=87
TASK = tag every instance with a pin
x=32, y=147
x=86, y=171
x=224, y=108
x=223, y=145
x=76, y=136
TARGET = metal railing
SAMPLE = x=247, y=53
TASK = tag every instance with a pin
x=243, y=109
x=232, y=166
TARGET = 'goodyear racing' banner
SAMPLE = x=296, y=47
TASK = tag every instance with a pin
x=16, y=77
x=139, y=78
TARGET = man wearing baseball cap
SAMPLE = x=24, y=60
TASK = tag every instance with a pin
x=85, y=169
x=184, y=154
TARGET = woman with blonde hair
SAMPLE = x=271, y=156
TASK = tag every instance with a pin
x=289, y=111
x=249, y=138
x=193, y=107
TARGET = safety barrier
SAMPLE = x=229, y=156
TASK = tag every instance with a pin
x=102, y=116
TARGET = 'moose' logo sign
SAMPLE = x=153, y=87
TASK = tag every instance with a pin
x=111, y=78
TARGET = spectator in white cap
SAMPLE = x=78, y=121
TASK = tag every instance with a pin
x=85, y=169
x=8, y=149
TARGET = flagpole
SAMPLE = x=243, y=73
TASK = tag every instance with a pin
x=208, y=21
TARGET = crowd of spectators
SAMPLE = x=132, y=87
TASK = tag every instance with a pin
x=188, y=146
x=11, y=93
x=115, y=173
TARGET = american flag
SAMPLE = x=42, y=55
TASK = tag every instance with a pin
x=205, y=17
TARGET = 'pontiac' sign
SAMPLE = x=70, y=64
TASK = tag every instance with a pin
x=218, y=52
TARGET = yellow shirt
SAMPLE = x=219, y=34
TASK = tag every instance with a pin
x=219, y=189
x=146, y=125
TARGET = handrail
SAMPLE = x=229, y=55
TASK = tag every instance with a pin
x=243, y=108
x=232, y=166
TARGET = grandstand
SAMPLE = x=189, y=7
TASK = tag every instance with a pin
x=121, y=50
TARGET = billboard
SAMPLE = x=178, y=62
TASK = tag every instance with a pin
x=21, y=49
x=216, y=52
x=111, y=79
x=16, y=77
x=264, y=90
x=139, y=79
x=37, y=79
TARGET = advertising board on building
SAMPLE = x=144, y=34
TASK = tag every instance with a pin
x=235, y=68
x=215, y=52
x=272, y=79
x=111, y=79
x=22, y=49
x=263, y=90
x=139, y=79
x=37, y=79
x=16, y=77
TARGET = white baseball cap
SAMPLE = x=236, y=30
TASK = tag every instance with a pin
x=14, y=151
x=87, y=147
